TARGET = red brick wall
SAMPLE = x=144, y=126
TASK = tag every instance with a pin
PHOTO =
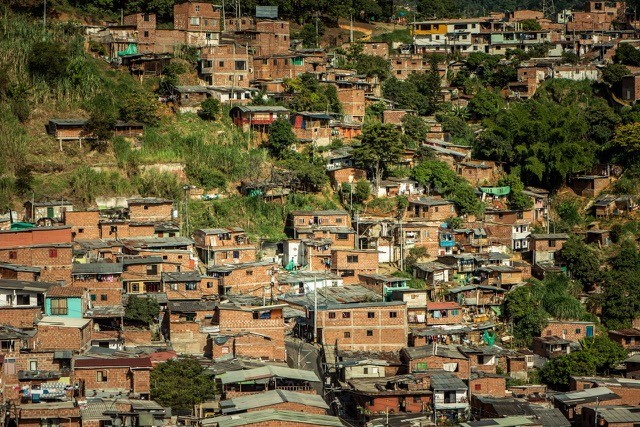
x=393, y=116
x=437, y=362
x=346, y=175
x=431, y=213
x=367, y=264
x=112, y=291
x=59, y=338
x=352, y=101
x=304, y=219
x=491, y=386
x=233, y=322
x=558, y=329
x=205, y=11
x=154, y=212
x=136, y=337
x=20, y=317
x=84, y=224
x=117, y=377
x=32, y=417
x=247, y=280
x=291, y=406
x=35, y=236
x=379, y=333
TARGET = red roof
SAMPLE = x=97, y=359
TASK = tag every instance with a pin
x=442, y=305
x=162, y=356
x=122, y=362
x=65, y=291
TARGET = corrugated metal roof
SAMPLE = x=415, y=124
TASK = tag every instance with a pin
x=96, y=268
x=271, y=397
x=268, y=371
x=272, y=415
x=584, y=396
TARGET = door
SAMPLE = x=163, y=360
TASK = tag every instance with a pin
x=50, y=212
x=589, y=331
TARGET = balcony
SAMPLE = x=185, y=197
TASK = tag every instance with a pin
x=42, y=375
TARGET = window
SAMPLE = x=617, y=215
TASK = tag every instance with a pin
x=197, y=8
x=552, y=243
x=80, y=230
x=348, y=273
x=332, y=315
x=146, y=34
x=49, y=422
x=145, y=18
x=578, y=331
x=241, y=65
x=152, y=269
x=346, y=314
x=365, y=371
x=135, y=288
x=93, y=297
x=564, y=332
x=146, y=208
x=343, y=236
x=53, y=253
x=221, y=64
x=369, y=333
x=13, y=254
x=399, y=72
x=101, y=376
x=59, y=306
x=103, y=297
x=23, y=299
x=33, y=365
x=352, y=258
x=421, y=366
x=194, y=21
x=249, y=272
x=206, y=24
x=209, y=284
x=477, y=387
x=191, y=286
x=371, y=315
x=393, y=314
x=338, y=220
x=549, y=333
x=454, y=312
x=347, y=334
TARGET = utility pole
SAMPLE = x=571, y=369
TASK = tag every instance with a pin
x=44, y=16
x=223, y=17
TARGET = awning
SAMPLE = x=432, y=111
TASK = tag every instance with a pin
x=132, y=49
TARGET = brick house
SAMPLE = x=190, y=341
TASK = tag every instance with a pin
x=433, y=272
x=226, y=65
x=49, y=413
x=69, y=130
x=589, y=185
x=102, y=279
x=336, y=218
x=46, y=247
x=628, y=389
x=189, y=285
x=397, y=394
x=248, y=331
x=353, y=104
x=188, y=324
x=436, y=356
x=340, y=237
x=313, y=253
x=609, y=416
x=631, y=87
x=444, y=313
x=478, y=172
x=19, y=272
x=482, y=383
x=544, y=246
x=551, y=346
x=510, y=228
x=198, y=21
x=430, y=208
x=22, y=302
x=253, y=381
x=627, y=338
x=84, y=224
x=472, y=297
x=416, y=300
x=363, y=326
x=128, y=375
x=572, y=403
x=252, y=278
x=394, y=116
x=63, y=333
x=150, y=209
x=257, y=118
x=189, y=98
x=502, y=276
x=350, y=263
x=312, y=128
x=345, y=175
x=572, y=330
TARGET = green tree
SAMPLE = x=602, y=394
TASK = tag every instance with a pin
x=530, y=25
x=523, y=309
x=558, y=371
x=415, y=128
x=281, y=138
x=141, y=311
x=308, y=172
x=102, y=120
x=582, y=261
x=181, y=383
x=626, y=143
x=139, y=106
x=379, y=147
x=569, y=211
x=49, y=60
x=486, y=103
x=612, y=74
x=627, y=55
x=607, y=354
x=210, y=109
x=458, y=129
x=516, y=200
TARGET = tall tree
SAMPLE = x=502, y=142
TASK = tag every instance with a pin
x=380, y=146
x=181, y=384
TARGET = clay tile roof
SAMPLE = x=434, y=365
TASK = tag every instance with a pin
x=65, y=291
x=442, y=305
x=121, y=362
